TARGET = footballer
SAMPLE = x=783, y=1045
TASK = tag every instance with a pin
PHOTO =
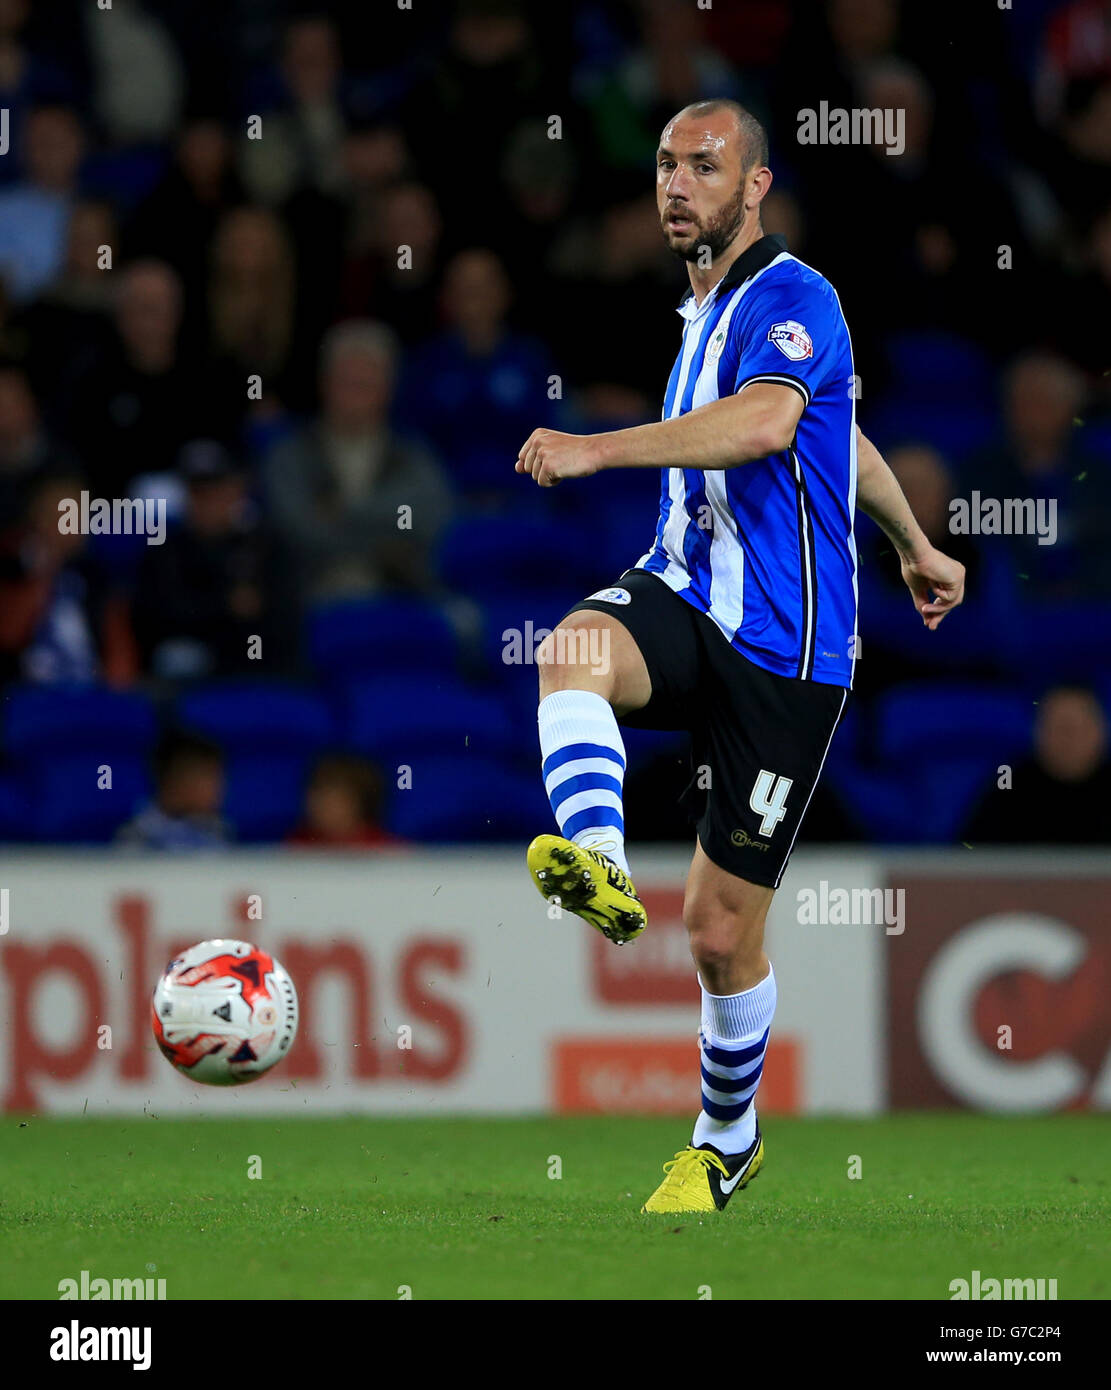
x=738, y=624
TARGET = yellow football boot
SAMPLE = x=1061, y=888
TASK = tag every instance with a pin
x=588, y=884
x=704, y=1180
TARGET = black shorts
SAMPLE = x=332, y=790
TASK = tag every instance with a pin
x=758, y=740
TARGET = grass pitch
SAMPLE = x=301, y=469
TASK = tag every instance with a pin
x=465, y=1208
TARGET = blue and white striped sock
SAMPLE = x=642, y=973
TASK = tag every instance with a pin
x=584, y=768
x=733, y=1041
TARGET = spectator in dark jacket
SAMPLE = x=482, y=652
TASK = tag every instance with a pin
x=358, y=507
x=1062, y=795
x=216, y=583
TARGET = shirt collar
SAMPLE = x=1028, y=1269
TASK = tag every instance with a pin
x=760, y=254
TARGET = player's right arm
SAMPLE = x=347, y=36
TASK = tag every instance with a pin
x=935, y=580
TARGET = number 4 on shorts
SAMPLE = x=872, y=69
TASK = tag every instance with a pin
x=768, y=799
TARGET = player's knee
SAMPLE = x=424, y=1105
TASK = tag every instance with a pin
x=566, y=661
x=722, y=940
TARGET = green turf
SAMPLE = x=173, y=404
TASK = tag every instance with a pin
x=464, y=1208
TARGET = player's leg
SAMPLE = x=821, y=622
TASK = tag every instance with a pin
x=761, y=752
x=631, y=653
x=724, y=916
x=591, y=671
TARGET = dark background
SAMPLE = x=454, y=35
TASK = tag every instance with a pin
x=383, y=649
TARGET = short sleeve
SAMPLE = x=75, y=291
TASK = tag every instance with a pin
x=789, y=333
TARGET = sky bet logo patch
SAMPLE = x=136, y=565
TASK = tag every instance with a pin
x=792, y=340
x=612, y=596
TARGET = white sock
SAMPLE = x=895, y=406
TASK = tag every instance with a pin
x=584, y=769
x=733, y=1040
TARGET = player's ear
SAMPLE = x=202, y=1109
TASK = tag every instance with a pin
x=759, y=182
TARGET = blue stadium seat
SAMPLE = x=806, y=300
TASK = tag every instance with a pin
x=397, y=719
x=270, y=732
x=257, y=716
x=466, y=798
x=489, y=555
x=954, y=430
x=15, y=808
x=50, y=720
x=363, y=637
x=925, y=721
x=1073, y=640
x=938, y=366
x=68, y=806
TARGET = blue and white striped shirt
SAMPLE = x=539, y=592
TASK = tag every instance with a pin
x=766, y=549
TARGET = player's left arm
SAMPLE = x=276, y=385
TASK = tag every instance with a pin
x=935, y=580
x=759, y=420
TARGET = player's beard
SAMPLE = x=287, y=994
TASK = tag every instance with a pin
x=719, y=232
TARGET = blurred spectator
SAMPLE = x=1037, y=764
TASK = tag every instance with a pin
x=34, y=213
x=886, y=612
x=251, y=296
x=216, y=582
x=137, y=78
x=68, y=327
x=672, y=67
x=343, y=807
x=478, y=391
x=400, y=284
x=1062, y=795
x=185, y=811
x=133, y=410
x=1077, y=46
x=341, y=250
x=1042, y=457
x=359, y=507
x=302, y=141
x=617, y=257
x=27, y=76
x=1080, y=169
x=59, y=620
x=491, y=76
x=177, y=220
x=27, y=453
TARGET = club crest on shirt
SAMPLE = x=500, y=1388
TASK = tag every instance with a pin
x=613, y=596
x=792, y=340
x=717, y=342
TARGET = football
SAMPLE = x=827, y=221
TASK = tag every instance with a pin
x=224, y=1012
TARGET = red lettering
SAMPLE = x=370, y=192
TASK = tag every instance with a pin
x=133, y=916
x=305, y=963
x=432, y=1009
x=26, y=967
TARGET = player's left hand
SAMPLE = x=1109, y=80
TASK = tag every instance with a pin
x=936, y=583
x=551, y=456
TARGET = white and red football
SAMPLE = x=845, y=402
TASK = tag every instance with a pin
x=224, y=1012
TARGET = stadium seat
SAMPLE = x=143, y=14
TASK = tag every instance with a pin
x=51, y=720
x=397, y=719
x=1073, y=640
x=467, y=798
x=489, y=555
x=68, y=804
x=363, y=637
x=270, y=732
x=257, y=716
x=919, y=722
x=935, y=366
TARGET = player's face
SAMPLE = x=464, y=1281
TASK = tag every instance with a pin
x=700, y=184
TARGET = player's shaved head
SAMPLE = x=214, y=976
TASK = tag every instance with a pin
x=751, y=134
